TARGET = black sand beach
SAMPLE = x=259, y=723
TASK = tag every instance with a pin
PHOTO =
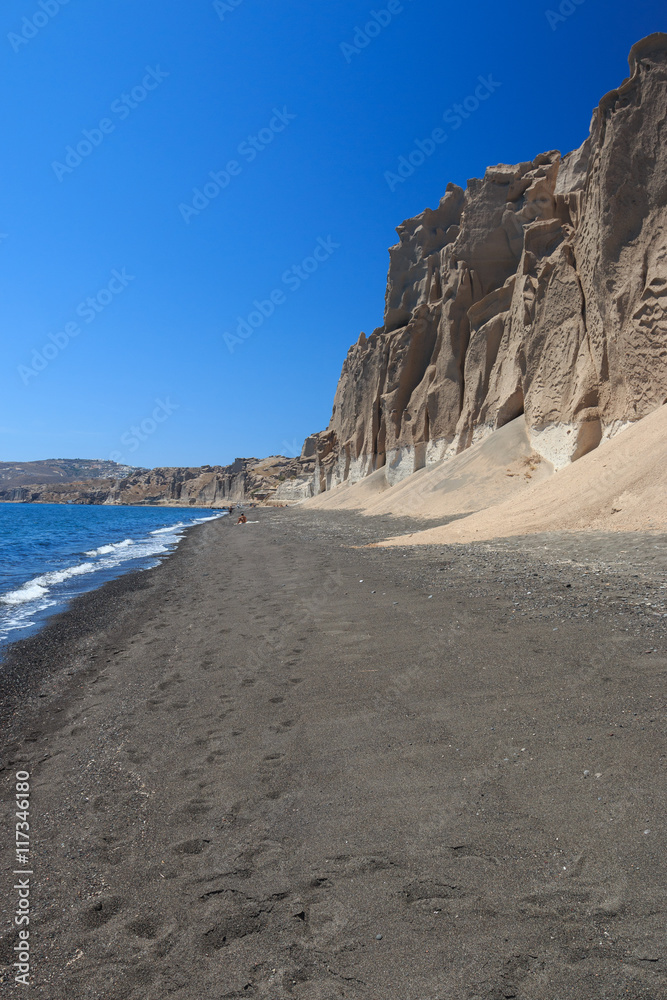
x=283, y=764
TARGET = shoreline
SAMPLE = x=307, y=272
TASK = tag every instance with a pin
x=285, y=765
x=73, y=503
x=25, y=664
x=97, y=576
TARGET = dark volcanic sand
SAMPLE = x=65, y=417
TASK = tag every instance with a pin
x=248, y=765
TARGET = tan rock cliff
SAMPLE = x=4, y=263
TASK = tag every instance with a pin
x=539, y=290
x=208, y=486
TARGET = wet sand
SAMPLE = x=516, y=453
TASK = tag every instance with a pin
x=283, y=764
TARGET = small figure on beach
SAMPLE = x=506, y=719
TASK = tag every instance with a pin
x=242, y=520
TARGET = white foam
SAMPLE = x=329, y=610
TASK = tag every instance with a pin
x=106, y=549
x=174, y=527
x=181, y=525
x=28, y=592
x=41, y=585
x=105, y=557
x=22, y=617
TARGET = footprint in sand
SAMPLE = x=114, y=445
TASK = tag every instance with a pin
x=190, y=847
x=101, y=911
x=169, y=683
x=281, y=727
x=194, y=808
x=144, y=927
x=239, y=922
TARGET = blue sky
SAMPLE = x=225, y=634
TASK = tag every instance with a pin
x=123, y=290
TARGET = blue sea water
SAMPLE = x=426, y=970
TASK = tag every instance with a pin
x=50, y=553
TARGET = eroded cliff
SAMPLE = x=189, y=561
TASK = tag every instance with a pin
x=246, y=479
x=539, y=290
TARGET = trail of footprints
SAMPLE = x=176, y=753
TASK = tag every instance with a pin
x=221, y=912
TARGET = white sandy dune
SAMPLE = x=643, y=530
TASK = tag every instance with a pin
x=498, y=468
x=356, y=496
x=621, y=486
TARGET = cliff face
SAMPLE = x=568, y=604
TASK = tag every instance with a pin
x=208, y=486
x=60, y=470
x=540, y=289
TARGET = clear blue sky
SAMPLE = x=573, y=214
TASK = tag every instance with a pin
x=315, y=171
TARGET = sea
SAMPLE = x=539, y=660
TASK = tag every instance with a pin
x=50, y=553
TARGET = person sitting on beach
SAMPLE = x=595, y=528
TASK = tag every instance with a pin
x=242, y=520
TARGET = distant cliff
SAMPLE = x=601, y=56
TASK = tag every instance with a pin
x=539, y=290
x=59, y=470
x=246, y=479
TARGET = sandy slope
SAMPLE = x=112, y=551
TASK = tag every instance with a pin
x=621, y=486
x=498, y=468
x=356, y=496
